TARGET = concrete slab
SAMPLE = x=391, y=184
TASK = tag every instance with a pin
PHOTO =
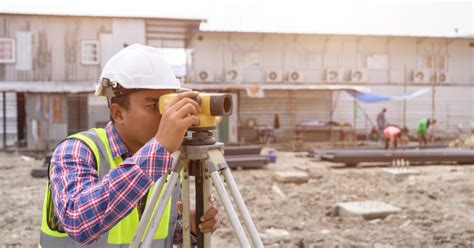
x=275, y=233
x=291, y=177
x=368, y=210
x=401, y=171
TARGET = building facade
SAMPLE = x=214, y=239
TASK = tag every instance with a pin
x=386, y=65
x=49, y=64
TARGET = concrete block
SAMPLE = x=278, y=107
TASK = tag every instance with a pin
x=403, y=171
x=368, y=210
x=291, y=177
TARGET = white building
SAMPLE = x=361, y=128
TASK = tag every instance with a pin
x=49, y=64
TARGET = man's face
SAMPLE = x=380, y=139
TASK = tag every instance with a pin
x=141, y=120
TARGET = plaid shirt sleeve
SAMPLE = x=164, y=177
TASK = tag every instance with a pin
x=87, y=207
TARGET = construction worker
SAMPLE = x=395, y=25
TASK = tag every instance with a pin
x=422, y=130
x=392, y=135
x=99, y=179
x=381, y=121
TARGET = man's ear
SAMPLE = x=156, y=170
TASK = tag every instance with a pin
x=116, y=112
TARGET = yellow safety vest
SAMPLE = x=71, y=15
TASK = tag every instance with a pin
x=122, y=233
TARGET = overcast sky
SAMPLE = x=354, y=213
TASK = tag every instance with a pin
x=440, y=18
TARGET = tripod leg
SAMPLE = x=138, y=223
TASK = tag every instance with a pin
x=198, y=185
x=202, y=185
x=186, y=206
x=216, y=155
x=206, y=204
x=244, y=212
x=234, y=219
x=155, y=194
x=160, y=209
x=147, y=214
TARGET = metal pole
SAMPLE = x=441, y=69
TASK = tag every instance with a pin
x=405, y=100
x=4, y=120
x=433, y=86
x=186, y=206
x=355, y=115
x=199, y=187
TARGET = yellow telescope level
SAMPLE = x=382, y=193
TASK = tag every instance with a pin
x=213, y=106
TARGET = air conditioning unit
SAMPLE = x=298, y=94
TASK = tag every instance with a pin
x=295, y=76
x=233, y=75
x=205, y=76
x=333, y=75
x=441, y=77
x=273, y=76
x=358, y=75
x=421, y=76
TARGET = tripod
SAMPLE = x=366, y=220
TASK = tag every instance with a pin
x=202, y=157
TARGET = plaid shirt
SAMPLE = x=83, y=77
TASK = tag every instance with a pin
x=86, y=207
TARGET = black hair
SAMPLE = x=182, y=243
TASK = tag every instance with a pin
x=123, y=101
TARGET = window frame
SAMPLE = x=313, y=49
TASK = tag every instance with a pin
x=13, y=60
x=83, y=44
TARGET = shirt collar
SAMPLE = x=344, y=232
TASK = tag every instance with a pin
x=115, y=142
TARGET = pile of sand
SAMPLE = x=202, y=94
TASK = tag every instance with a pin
x=466, y=141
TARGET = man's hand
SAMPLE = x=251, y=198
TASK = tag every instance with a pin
x=180, y=114
x=210, y=219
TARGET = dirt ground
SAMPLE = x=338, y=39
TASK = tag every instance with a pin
x=437, y=205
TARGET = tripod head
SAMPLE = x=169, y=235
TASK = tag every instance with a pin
x=199, y=137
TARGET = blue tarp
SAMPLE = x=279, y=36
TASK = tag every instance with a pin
x=373, y=98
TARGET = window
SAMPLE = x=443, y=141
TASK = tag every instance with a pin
x=7, y=50
x=90, y=52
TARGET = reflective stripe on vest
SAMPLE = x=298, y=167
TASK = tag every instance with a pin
x=122, y=233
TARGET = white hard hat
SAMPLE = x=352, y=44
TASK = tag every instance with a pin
x=137, y=67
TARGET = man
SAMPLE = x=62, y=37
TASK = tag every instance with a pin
x=99, y=179
x=422, y=130
x=392, y=135
x=381, y=121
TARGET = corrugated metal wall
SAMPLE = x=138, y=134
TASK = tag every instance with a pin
x=165, y=33
x=253, y=54
x=55, y=54
x=77, y=113
x=46, y=120
x=292, y=107
x=10, y=119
